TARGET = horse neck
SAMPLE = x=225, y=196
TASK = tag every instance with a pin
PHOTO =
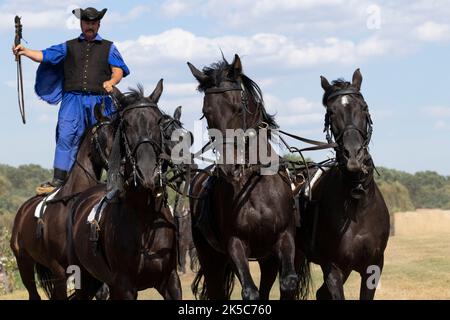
x=348, y=182
x=142, y=203
x=83, y=171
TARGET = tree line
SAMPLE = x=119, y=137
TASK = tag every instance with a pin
x=402, y=191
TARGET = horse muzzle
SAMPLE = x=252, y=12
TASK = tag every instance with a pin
x=358, y=192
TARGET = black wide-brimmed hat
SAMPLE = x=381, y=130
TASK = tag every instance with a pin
x=89, y=14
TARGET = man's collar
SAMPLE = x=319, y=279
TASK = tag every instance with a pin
x=97, y=37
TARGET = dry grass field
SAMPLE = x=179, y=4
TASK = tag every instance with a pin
x=417, y=263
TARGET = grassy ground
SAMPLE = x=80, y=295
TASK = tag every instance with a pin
x=417, y=263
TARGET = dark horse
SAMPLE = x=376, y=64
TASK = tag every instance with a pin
x=245, y=214
x=41, y=243
x=136, y=245
x=345, y=226
x=183, y=221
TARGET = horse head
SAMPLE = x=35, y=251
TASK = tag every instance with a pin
x=232, y=101
x=173, y=135
x=348, y=117
x=138, y=141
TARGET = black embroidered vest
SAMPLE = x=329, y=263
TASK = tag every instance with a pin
x=86, y=65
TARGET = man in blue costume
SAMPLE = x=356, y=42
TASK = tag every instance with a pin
x=78, y=73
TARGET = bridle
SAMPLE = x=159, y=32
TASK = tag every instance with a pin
x=165, y=124
x=97, y=145
x=130, y=152
x=367, y=134
x=243, y=110
x=359, y=185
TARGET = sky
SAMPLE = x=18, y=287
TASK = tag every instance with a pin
x=401, y=47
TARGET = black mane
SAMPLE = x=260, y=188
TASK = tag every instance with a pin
x=222, y=71
x=133, y=96
x=136, y=95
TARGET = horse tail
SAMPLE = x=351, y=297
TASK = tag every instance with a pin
x=44, y=276
x=229, y=281
x=305, y=280
x=198, y=286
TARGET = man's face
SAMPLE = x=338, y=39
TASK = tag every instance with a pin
x=90, y=28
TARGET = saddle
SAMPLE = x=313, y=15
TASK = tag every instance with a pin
x=93, y=219
x=40, y=210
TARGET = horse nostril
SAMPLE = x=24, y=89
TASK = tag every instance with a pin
x=346, y=153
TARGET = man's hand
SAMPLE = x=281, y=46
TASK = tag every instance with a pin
x=108, y=86
x=34, y=55
x=20, y=50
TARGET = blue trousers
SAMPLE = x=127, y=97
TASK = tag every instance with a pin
x=76, y=114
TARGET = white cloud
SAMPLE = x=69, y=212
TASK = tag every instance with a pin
x=259, y=49
x=294, y=112
x=174, y=8
x=34, y=19
x=433, y=32
x=59, y=16
x=253, y=15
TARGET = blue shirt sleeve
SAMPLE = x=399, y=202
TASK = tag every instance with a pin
x=55, y=54
x=116, y=60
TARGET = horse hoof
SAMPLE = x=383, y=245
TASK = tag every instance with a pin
x=250, y=294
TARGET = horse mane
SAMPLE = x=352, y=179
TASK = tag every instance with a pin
x=221, y=71
x=135, y=95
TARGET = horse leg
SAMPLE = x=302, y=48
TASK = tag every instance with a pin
x=367, y=290
x=26, y=270
x=59, y=281
x=269, y=270
x=333, y=286
x=171, y=289
x=122, y=291
x=181, y=257
x=237, y=252
x=89, y=287
x=192, y=257
x=288, y=276
x=214, y=270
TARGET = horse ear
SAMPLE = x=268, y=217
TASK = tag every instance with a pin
x=114, y=180
x=325, y=84
x=357, y=79
x=236, y=66
x=200, y=76
x=156, y=94
x=177, y=113
x=98, y=112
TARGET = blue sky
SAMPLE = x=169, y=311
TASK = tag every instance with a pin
x=402, y=49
